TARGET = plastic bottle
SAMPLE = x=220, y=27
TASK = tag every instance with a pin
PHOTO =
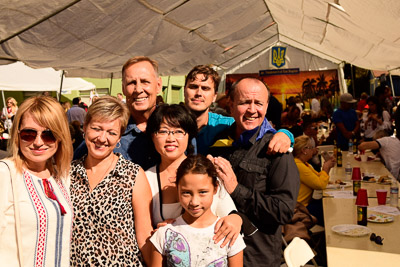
x=348, y=170
x=394, y=193
x=350, y=146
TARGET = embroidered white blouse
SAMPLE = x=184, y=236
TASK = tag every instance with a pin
x=45, y=233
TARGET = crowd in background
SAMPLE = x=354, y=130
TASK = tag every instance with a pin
x=365, y=119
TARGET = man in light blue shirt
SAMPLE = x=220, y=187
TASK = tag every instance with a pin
x=140, y=84
x=76, y=113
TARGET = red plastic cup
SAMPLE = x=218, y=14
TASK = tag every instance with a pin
x=356, y=173
x=381, y=194
x=362, y=198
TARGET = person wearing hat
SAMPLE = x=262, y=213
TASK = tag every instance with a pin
x=346, y=121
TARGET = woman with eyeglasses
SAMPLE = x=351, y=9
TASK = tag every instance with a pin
x=172, y=128
x=110, y=195
x=310, y=179
x=35, y=208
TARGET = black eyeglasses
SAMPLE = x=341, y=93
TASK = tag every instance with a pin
x=177, y=133
x=376, y=238
x=29, y=135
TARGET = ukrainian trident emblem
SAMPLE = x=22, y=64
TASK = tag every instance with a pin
x=278, y=56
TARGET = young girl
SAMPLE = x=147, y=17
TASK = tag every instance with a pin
x=189, y=240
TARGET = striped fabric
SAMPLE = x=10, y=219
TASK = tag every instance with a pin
x=45, y=232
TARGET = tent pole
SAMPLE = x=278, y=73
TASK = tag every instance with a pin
x=112, y=75
x=342, y=81
x=223, y=83
x=61, y=84
x=352, y=81
x=4, y=102
x=167, y=94
x=391, y=83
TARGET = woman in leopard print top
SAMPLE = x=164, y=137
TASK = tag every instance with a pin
x=112, y=220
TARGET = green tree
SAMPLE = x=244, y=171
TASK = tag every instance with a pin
x=308, y=88
x=334, y=84
x=322, y=84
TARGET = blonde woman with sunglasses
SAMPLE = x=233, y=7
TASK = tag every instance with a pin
x=35, y=208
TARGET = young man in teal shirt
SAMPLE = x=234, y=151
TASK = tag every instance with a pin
x=201, y=88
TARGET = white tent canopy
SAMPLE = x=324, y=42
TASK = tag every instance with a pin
x=94, y=38
x=19, y=77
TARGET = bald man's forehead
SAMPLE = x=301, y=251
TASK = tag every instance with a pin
x=251, y=84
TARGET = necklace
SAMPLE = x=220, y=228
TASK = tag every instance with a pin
x=96, y=181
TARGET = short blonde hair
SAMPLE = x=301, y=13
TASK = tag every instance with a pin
x=48, y=113
x=108, y=108
x=300, y=142
x=138, y=59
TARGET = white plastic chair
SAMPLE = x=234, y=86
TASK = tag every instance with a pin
x=298, y=253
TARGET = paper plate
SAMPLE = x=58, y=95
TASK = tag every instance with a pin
x=378, y=218
x=351, y=230
x=369, y=176
x=368, y=181
x=384, y=179
x=338, y=186
x=384, y=183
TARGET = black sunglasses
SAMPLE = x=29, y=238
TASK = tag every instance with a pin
x=376, y=238
x=29, y=135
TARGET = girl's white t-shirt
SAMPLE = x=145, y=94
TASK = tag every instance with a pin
x=185, y=245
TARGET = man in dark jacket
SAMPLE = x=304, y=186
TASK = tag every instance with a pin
x=263, y=186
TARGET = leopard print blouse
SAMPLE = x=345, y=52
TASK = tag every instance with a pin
x=103, y=231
